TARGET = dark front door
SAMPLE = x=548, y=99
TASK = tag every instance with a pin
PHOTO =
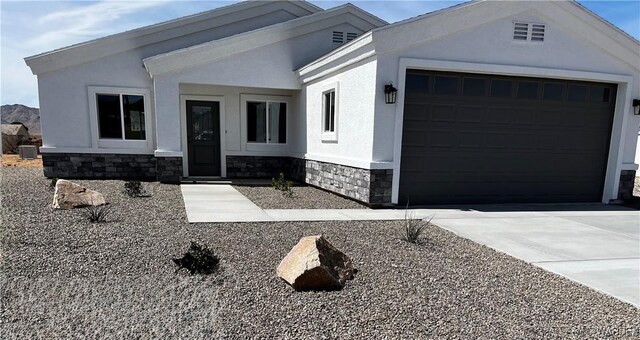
x=203, y=138
x=470, y=138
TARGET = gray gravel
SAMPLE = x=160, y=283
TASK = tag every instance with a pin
x=63, y=277
x=304, y=197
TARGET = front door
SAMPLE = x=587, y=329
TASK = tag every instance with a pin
x=203, y=137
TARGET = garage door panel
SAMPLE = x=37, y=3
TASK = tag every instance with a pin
x=471, y=114
x=524, y=116
x=414, y=138
x=483, y=149
x=416, y=112
x=498, y=115
x=444, y=113
x=470, y=140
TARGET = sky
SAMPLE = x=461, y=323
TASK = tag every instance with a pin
x=31, y=27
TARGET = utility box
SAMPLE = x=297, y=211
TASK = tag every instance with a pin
x=28, y=151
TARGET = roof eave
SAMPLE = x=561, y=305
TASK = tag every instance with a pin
x=175, y=60
x=38, y=62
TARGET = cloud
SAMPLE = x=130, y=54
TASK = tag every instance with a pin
x=29, y=28
x=87, y=22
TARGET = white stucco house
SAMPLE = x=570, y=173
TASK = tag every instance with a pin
x=509, y=101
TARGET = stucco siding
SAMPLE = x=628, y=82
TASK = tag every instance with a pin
x=63, y=93
x=355, y=106
x=269, y=67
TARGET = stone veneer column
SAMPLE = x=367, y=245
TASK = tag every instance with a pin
x=625, y=189
x=368, y=186
x=169, y=169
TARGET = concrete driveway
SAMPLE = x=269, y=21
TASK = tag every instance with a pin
x=595, y=245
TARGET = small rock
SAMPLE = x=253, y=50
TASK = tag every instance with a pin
x=69, y=195
x=314, y=264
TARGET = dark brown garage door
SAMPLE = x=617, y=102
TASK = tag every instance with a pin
x=471, y=138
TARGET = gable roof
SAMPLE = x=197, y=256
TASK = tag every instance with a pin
x=463, y=16
x=225, y=47
x=136, y=38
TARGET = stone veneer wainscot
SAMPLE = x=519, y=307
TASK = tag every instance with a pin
x=116, y=166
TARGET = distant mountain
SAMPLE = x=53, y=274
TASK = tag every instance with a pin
x=29, y=116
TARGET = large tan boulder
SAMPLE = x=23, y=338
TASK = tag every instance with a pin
x=69, y=195
x=314, y=264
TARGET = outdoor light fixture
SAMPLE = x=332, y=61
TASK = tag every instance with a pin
x=390, y=94
x=636, y=107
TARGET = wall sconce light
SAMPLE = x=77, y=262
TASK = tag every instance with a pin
x=636, y=106
x=390, y=94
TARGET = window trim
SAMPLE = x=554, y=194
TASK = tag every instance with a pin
x=330, y=136
x=97, y=142
x=257, y=146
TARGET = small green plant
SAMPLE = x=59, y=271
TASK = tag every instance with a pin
x=413, y=228
x=282, y=184
x=97, y=213
x=53, y=182
x=133, y=189
x=198, y=260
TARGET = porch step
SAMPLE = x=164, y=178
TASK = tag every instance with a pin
x=227, y=181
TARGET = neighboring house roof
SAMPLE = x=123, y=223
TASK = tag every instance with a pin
x=461, y=17
x=14, y=130
x=222, y=48
x=136, y=38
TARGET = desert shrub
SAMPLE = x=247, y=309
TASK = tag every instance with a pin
x=413, y=228
x=133, y=189
x=198, y=260
x=97, y=213
x=282, y=184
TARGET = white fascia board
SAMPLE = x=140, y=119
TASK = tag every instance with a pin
x=125, y=41
x=223, y=48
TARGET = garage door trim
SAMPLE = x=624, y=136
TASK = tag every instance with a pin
x=621, y=111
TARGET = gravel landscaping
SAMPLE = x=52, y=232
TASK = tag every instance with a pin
x=63, y=277
x=304, y=197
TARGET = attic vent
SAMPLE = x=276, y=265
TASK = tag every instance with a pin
x=537, y=32
x=338, y=37
x=520, y=31
x=523, y=31
x=351, y=36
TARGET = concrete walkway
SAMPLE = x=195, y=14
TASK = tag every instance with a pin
x=594, y=244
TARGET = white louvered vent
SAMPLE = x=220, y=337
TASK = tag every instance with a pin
x=351, y=36
x=520, y=31
x=338, y=37
x=537, y=32
x=523, y=31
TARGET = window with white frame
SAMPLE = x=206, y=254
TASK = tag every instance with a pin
x=329, y=111
x=266, y=121
x=329, y=124
x=121, y=116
